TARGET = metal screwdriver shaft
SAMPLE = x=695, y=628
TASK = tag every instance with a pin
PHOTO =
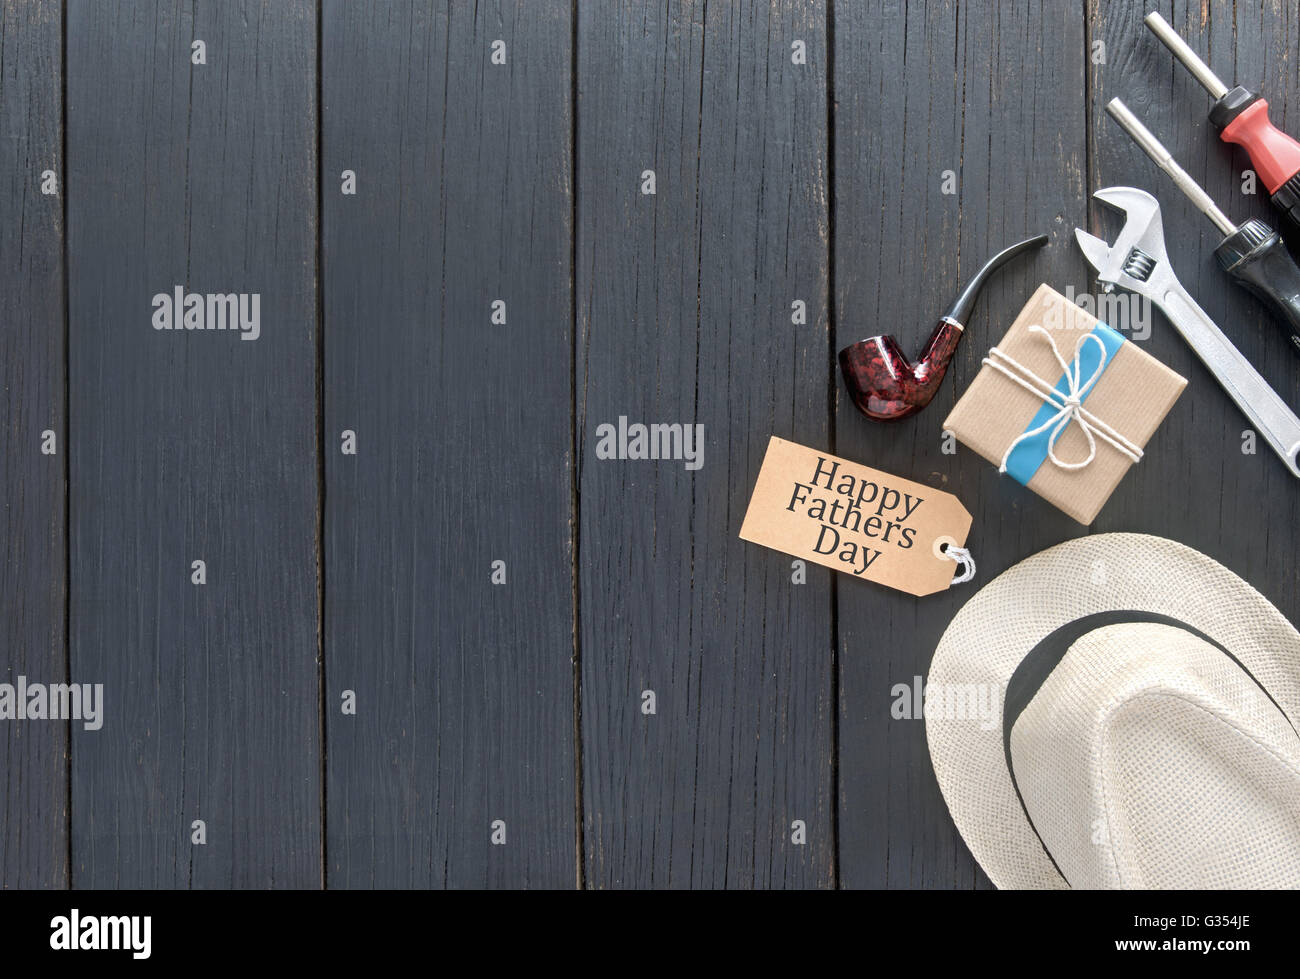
x=1162, y=158
x=1161, y=29
x=1241, y=117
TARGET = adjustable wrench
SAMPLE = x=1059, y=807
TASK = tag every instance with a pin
x=1138, y=262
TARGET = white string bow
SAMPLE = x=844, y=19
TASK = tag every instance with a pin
x=1068, y=409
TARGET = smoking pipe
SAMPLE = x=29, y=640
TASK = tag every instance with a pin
x=884, y=385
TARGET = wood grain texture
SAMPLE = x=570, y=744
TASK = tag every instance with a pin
x=1195, y=484
x=464, y=687
x=193, y=446
x=476, y=442
x=684, y=316
x=992, y=92
x=33, y=486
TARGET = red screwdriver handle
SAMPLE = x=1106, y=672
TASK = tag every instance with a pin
x=1276, y=155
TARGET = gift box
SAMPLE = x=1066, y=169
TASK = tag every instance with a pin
x=1064, y=404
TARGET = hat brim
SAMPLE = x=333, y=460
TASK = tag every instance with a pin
x=995, y=630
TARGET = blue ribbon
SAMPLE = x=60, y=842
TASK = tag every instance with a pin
x=1029, y=454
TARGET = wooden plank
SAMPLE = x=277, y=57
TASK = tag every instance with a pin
x=464, y=688
x=684, y=317
x=1195, y=484
x=993, y=95
x=33, y=484
x=194, y=445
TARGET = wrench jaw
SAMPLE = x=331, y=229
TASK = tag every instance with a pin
x=1101, y=257
x=1139, y=208
x=1139, y=249
x=1112, y=264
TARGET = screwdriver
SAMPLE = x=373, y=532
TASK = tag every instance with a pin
x=1251, y=252
x=1241, y=116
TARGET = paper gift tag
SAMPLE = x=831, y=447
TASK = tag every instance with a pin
x=864, y=522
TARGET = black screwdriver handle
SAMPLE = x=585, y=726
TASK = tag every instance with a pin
x=1287, y=199
x=1256, y=256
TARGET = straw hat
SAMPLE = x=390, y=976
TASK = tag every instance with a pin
x=1148, y=732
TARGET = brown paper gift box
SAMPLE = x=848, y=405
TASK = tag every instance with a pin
x=1132, y=396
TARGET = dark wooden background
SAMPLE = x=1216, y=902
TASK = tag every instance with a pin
x=372, y=573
